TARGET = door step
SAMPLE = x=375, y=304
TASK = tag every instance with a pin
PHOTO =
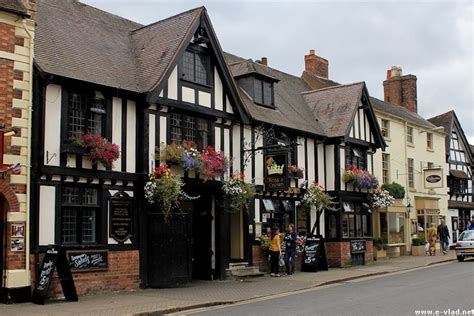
x=242, y=270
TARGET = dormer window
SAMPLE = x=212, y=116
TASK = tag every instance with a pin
x=263, y=92
x=196, y=67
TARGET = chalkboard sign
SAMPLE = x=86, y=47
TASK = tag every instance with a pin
x=358, y=246
x=88, y=260
x=314, y=255
x=55, y=258
x=120, y=226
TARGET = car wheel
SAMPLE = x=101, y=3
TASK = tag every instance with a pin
x=460, y=258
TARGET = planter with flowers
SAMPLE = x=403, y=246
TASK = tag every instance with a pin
x=320, y=200
x=237, y=193
x=360, y=178
x=295, y=172
x=166, y=189
x=213, y=164
x=99, y=149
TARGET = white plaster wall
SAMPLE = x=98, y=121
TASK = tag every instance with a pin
x=188, y=95
x=228, y=105
x=301, y=155
x=311, y=157
x=247, y=139
x=259, y=172
x=117, y=129
x=321, y=171
x=218, y=91
x=330, y=167
x=227, y=149
x=47, y=211
x=52, y=130
x=205, y=99
x=173, y=84
x=151, y=141
x=131, y=135
x=236, y=148
x=217, y=138
x=163, y=123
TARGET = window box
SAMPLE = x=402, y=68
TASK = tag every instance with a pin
x=73, y=148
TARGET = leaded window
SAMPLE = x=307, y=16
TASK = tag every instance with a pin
x=189, y=128
x=86, y=114
x=356, y=156
x=263, y=92
x=79, y=215
x=355, y=220
x=196, y=67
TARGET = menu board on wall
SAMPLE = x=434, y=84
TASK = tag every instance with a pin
x=276, y=171
x=88, y=260
x=120, y=226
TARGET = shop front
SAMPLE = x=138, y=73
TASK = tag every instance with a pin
x=428, y=213
x=392, y=228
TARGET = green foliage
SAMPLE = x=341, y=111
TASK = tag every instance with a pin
x=379, y=243
x=418, y=242
x=396, y=190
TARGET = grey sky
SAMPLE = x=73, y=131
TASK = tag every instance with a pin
x=432, y=40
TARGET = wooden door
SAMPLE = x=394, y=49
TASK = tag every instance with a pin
x=169, y=250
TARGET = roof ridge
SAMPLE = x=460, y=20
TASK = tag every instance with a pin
x=333, y=87
x=106, y=12
x=442, y=114
x=168, y=18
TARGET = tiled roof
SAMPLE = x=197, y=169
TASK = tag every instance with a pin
x=78, y=41
x=290, y=111
x=401, y=112
x=334, y=107
x=156, y=45
x=249, y=67
x=14, y=6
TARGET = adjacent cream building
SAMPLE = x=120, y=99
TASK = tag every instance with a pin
x=415, y=153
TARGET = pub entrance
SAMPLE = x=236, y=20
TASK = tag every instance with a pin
x=203, y=216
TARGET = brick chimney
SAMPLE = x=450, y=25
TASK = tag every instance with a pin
x=400, y=90
x=316, y=65
x=264, y=61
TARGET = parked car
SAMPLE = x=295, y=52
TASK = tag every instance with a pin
x=465, y=245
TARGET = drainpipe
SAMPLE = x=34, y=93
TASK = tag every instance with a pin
x=28, y=160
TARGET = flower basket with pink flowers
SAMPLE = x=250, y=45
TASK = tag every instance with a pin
x=99, y=149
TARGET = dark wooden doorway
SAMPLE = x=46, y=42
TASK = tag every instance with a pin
x=169, y=249
x=202, y=238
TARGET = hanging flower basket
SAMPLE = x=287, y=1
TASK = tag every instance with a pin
x=350, y=174
x=361, y=178
x=381, y=198
x=99, y=149
x=165, y=188
x=237, y=193
x=317, y=198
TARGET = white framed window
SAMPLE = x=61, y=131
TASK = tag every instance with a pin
x=410, y=135
x=386, y=168
x=429, y=141
x=411, y=173
x=386, y=128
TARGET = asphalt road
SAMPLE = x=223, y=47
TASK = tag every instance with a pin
x=440, y=287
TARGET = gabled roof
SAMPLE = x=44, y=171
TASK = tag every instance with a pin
x=334, y=107
x=291, y=110
x=249, y=67
x=156, y=45
x=448, y=121
x=14, y=6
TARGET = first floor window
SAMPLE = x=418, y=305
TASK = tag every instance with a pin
x=79, y=215
x=356, y=156
x=429, y=141
x=386, y=168
x=86, y=114
x=190, y=128
x=410, y=134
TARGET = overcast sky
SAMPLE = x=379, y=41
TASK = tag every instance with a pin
x=432, y=40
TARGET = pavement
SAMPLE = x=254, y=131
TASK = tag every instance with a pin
x=208, y=293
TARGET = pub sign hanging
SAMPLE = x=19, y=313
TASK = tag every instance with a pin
x=276, y=171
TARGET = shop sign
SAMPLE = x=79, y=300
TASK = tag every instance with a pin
x=120, y=225
x=433, y=178
x=276, y=171
x=88, y=260
x=358, y=246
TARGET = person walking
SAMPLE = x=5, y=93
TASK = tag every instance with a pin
x=443, y=234
x=275, y=251
x=432, y=234
x=290, y=249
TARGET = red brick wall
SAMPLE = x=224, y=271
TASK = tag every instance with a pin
x=369, y=252
x=7, y=37
x=123, y=274
x=260, y=258
x=6, y=96
x=338, y=254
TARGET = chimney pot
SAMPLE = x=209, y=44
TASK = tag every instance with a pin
x=264, y=61
x=401, y=90
x=316, y=65
x=312, y=52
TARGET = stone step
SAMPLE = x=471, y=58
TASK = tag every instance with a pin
x=243, y=272
x=237, y=265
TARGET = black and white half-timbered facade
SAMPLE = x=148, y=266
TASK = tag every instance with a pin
x=459, y=160
x=144, y=87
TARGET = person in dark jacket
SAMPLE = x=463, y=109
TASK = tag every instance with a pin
x=290, y=249
x=443, y=235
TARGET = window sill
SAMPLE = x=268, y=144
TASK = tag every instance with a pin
x=412, y=189
x=72, y=148
x=387, y=139
x=410, y=145
x=193, y=84
x=430, y=149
